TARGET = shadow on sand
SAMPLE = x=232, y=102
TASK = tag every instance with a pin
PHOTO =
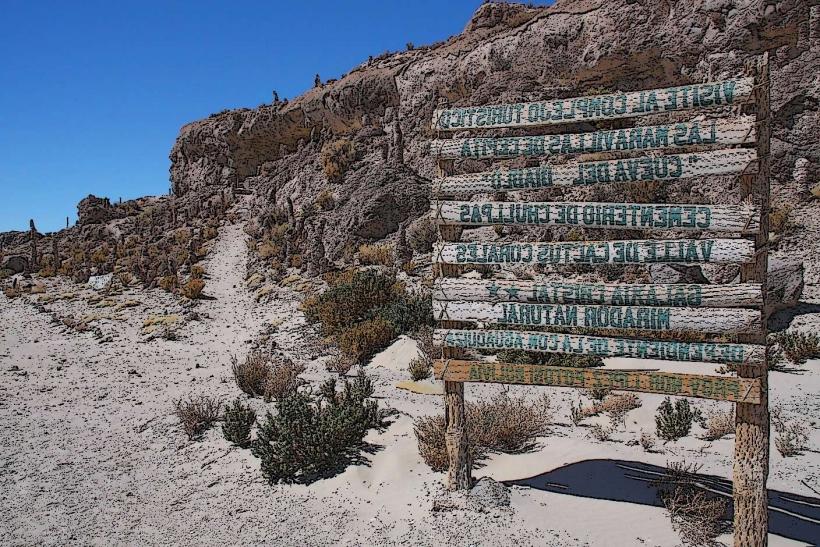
x=792, y=516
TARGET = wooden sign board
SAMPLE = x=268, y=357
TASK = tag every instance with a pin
x=738, y=390
x=551, y=342
x=611, y=215
x=601, y=107
x=633, y=251
x=668, y=167
x=723, y=131
x=651, y=318
x=571, y=292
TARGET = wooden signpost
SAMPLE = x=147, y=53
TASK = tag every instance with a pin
x=672, y=322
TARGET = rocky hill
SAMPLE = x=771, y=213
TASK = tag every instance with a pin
x=347, y=162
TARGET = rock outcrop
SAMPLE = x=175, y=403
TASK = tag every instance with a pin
x=507, y=52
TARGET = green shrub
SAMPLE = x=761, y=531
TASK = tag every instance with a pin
x=238, y=421
x=351, y=298
x=409, y=313
x=366, y=339
x=674, y=422
x=798, y=347
x=313, y=437
x=419, y=368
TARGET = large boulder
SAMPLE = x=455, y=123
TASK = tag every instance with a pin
x=784, y=283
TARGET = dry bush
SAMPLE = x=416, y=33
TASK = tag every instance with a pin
x=11, y=292
x=798, y=347
x=283, y=378
x=421, y=234
x=779, y=220
x=424, y=341
x=198, y=271
x=598, y=393
x=502, y=424
x=697, y=516
x=420, y=368
x=600, y=432
x=365, y=339
x=251, y=376
x=168, y=282
x=336, y=157
x=197, y=414
x=617, y=405
x=376, y=255
x=125, y=278
x=340, y=364
x=647, y=441
x=791, y=435
x=193, y=288
x=718, y=424
x=325, y=200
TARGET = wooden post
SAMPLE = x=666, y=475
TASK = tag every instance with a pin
x=751, y=458
x=459, y=474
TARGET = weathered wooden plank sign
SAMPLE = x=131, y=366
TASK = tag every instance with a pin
x=721, y=131
x=632, y=251
x=666, y=167
x=551, y=342
x=689, y=385
x=570, y=292
x=651, y=318
x=601, y=107
x=611, y=215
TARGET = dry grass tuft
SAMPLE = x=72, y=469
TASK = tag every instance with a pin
x=251, y=376
x=791, y=435
x=193, y=288
x=696, y=514
x=365, y=339
x=336, y=157
x=283, y=377
x=502, y=424
x=379, y=254
x=197, y=414
x=718, y=424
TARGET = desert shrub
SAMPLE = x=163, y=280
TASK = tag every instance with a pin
x=647, y=441
x=421, y=234
x=598, y=393
x=311, y=437
x=779, y=219
x=168, y=282
x=409, y=312
x=251, y=375
x=697, y=515
x=325, y=200
x=351, y=298
x=238, y=422
x=295, y=261
x=125, y=278
x=791, y=435
x=193, y=288
x=600, y=432
x=616, y=406
x=365, y=339
x=718, y=424
x=674, y=422
x=283, y=377
x=197, y=271
x=502, y=424
x=419, y=368
x=424, y=341
x=340, y=364
x=798, y=347
x=376, y=254
x=336, y=157
x=196, y=414
x=577, y=414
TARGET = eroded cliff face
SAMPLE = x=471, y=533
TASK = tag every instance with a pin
x=506, y=53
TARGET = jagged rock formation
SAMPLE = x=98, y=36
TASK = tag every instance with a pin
x=352, y=154
x=507, y=52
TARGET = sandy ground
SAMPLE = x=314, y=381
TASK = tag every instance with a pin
x=91, y=453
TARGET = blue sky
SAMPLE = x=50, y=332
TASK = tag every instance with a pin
x=93, y=93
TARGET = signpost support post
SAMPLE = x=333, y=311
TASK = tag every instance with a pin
x=459, y=474
x=751, y=458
